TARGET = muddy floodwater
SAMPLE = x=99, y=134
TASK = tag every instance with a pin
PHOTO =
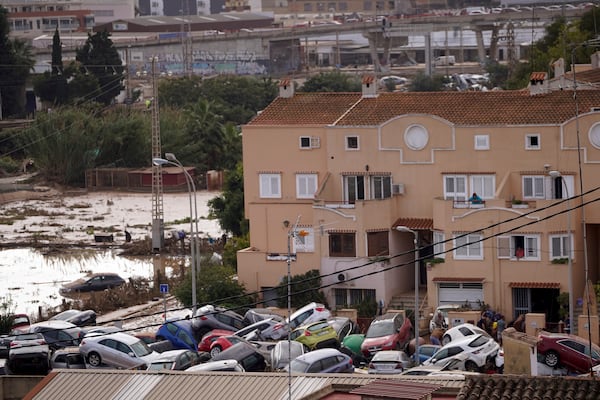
x=31, y=277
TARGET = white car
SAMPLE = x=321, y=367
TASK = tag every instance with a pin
x=481, y=350
x=119, y=350
x=221, y=365
x=462, y=331
x=310, y=313
x=392, y=79
x=443, y=309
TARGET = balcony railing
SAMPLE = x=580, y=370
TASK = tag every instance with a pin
x=469, y=204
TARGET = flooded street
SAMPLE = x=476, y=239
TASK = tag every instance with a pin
x=31, y=277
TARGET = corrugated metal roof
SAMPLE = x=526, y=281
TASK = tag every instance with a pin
x=152, y=385
x=396, y=390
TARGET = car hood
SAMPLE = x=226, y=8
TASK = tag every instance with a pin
x=149, y=358
x=376, y=341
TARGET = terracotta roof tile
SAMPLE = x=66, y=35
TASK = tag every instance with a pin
x=417, y=224
x=368, y=79
x=538, y=76
x=508, y=107
x=524, y=387
x=535, y=285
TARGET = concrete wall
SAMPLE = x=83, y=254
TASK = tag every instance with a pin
x=13, y=387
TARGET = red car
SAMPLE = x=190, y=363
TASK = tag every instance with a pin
x=210, y=337
x=391, y=331
x=569, y=351
x=223, y=342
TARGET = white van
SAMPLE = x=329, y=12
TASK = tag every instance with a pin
x=444, y=60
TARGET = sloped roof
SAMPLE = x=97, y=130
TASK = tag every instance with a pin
x=416, y=224
x=111, y=384
x=529, y=388
x=589, y=77
x=461, y=108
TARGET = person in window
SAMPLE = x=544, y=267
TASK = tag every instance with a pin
x=475, y=199
x=520, y=252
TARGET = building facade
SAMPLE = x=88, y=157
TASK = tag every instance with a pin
x=370, y=174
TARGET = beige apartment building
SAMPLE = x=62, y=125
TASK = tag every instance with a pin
x=367, y=175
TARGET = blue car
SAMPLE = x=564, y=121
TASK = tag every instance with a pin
x=321, y=361
x=179, y=333
x=426, y=351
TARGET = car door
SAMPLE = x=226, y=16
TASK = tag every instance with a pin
x=573, y=355
x=109, y=353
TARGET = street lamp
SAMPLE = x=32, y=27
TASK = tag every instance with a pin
x=172, y=160
x=416, y=247
x=557, y=175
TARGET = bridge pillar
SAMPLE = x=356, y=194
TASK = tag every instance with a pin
x=480, y=44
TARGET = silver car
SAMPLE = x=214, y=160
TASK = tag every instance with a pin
x=119, y=350
x=267, y=329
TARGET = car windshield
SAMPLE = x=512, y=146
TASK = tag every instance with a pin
x=480, y=341
x=160, y=365
x=140, y=348
x=381, y=328
x=299, y=366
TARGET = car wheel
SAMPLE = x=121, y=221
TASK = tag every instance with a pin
x=215, y=350
x=94, y=359
x=445, y=340
x=471, y=366
x=551, y=359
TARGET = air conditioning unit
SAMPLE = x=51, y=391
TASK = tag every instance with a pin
x=341, y=277
x=398, y=188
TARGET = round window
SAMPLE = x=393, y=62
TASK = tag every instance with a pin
x=416, y=137
x=594, y=135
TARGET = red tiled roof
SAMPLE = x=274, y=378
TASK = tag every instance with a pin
x=538, y=76
x=467, y=108
x=589, y=76
x=529, y=388
x=535, y=285
x=396, y=390
x=368, y=79
x=416, y=224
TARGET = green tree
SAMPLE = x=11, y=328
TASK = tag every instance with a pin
x=332, y=82
x=425, y=83
x=217, y=285
x=228, y=208
x=305, y=288
x=52, y=86
x=16, y=62
x=7, y=311
x=231, y=248
x=179, y=92
x=123, y=139
x=99, y=56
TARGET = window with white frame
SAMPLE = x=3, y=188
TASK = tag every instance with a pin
x=439, y=247
x=352, y=143
x=455, y=187
x=270, y=186
x=483, y=185
x=533, y=187
x=519, y=247
x=532, y=141
x=354, y=188
x=310, y=142
x=560, y=246
x=381, y=187
x=482, y=142
x=306, y=186
x=468, y=247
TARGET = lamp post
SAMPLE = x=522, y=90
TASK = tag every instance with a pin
x=416, y=250
x=172, y=160
x=557, y=175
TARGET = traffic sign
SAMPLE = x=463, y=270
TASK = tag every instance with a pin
x=164, y=288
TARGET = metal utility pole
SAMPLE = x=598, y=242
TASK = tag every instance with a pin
x=158, y=238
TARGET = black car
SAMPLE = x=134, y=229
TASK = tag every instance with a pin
x=77, y=317
x=92, y=283
x=58, y=334
x=246, y=354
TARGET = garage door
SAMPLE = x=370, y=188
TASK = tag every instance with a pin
x=460, y=293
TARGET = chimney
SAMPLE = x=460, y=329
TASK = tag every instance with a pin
x=369, y=88
x=559, y=67
x=595, y=58
x=538, y=83
x=286, y=88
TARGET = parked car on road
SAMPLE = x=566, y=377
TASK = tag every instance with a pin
x=321, y=361
x=58, y=334
x=92, y=283
x=119, y=350
x=316, y=335
x=179, y=333
x=481, y=350
x=391, y=331
x=389, y=362
x=175, y=360
x=67, y=358
x=569, y=351
x=76, y=317
x=211, y=317
x=462, y=331
x=28, y=351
